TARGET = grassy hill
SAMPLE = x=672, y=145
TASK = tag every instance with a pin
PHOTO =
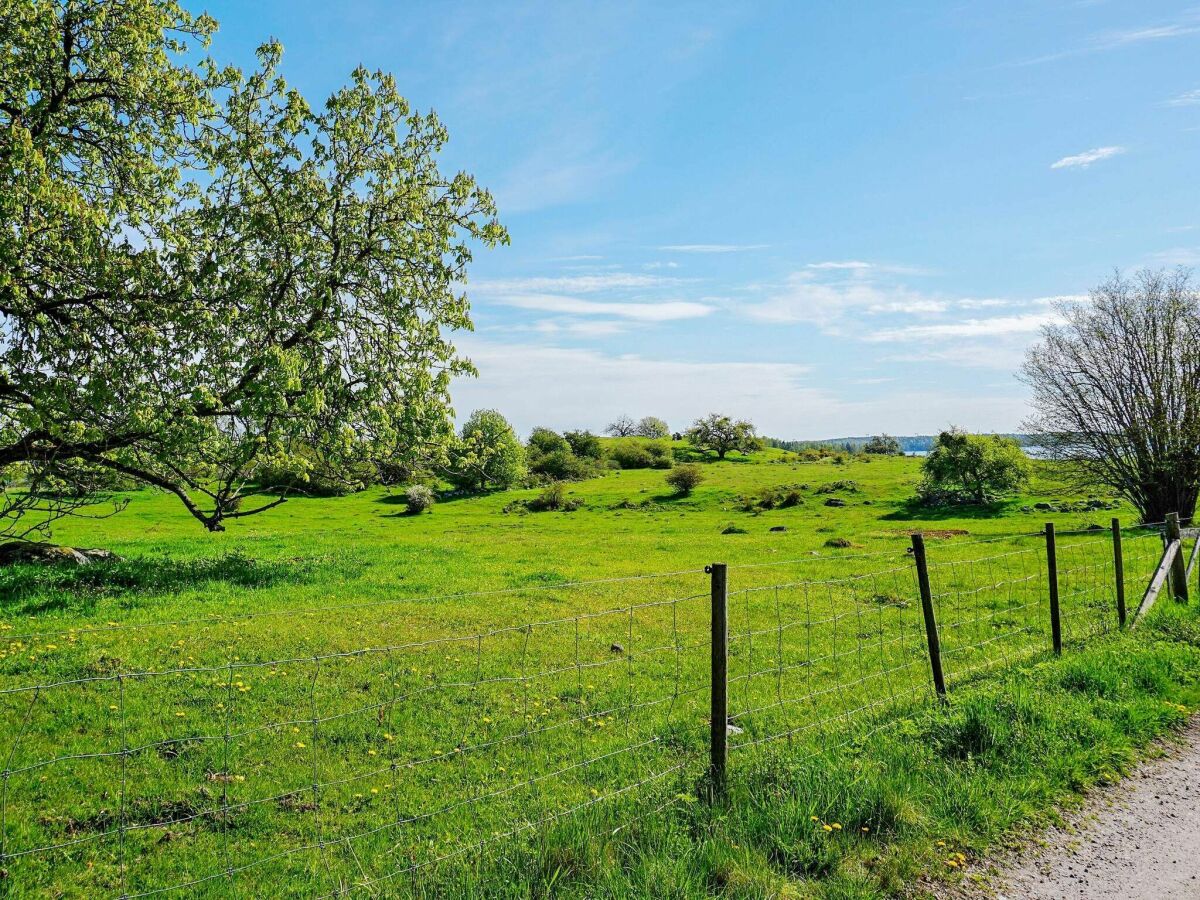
x=483, y=701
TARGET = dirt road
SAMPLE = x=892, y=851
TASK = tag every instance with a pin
x=1141, y=839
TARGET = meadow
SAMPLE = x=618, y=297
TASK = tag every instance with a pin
x=339, y=697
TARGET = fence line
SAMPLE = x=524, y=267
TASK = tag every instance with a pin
x=364, y=767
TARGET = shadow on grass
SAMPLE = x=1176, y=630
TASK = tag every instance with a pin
x=30, y=589
x=915, y=511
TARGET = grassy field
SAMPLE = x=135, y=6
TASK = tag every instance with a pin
x=337, y=696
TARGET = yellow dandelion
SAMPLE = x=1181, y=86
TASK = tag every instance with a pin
x=827, y=827
x=299, y=745
x=837, y=826
x=814, y=818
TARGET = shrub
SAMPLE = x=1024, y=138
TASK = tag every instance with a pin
x=685, y=478
x=642, y=455
x=418, y=499
x=563, y=465
x=553, y=497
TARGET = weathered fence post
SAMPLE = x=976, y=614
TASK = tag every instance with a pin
x=719, y=710
x=1119, y=570
x=931, y=632
x=1052, y=577
x=1179, y=585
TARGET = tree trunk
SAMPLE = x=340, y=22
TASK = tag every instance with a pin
x=1176, y=495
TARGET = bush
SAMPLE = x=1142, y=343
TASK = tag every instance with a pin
x=643, y=455
x=563, y=465
x=652, y=427
x=685, y=478
x=545, y=441
x=418, y=499
x=553, y=497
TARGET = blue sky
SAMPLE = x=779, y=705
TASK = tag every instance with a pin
x=830, y=218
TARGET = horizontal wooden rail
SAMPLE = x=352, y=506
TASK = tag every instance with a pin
x=1156, y=583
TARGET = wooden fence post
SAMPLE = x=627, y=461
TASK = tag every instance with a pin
x=719, y=709
x=1179, y=585
x=931, y=632
x=1119, y=570
x=1052, y=577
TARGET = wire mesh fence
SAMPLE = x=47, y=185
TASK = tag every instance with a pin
x=224, y=769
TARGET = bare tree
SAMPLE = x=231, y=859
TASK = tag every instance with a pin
x=1116, y=390
x=621, y=426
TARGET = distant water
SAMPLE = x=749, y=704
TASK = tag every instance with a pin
x=1032, y=452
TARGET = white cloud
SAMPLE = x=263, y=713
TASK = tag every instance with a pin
x=1085, y=159
x=806, y=297
x=852, y=264
x=665, y=311
x=711, y=248
x=1187, y=98
x=574, y=284
x=1113, y=40
x=584, y=327
x=1025, y=323
x=573, y=388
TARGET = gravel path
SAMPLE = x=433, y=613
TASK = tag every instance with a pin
x=1140, y=839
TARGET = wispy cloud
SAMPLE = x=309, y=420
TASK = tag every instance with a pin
x=1085, y=159
x=849, y=264
x=574, y=284
x=666, y=311
x=970, y=328
x=1188, y=23
x=824, y=297
x=711, y=248
x=1187, y=98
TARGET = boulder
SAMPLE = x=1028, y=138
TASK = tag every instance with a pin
x=835, y=501
x=15, y=552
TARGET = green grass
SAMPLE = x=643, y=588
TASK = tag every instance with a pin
x=384, y=657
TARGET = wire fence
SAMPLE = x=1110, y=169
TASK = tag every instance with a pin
x=361, y=770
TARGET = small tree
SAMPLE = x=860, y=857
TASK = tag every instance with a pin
x=652, y=427
x=1116, y=390
x=721, y=434
x=487, y=454
x=973, y=468
x=883, y=445
x=621, y=426
x=584, y=444
x=685, y=478
x=544, y=440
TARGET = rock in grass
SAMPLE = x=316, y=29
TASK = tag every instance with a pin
x=734, y=529
x=617, y=648
x=835, y=501
x=840, y=543
x=779, y=528
x=33, y=552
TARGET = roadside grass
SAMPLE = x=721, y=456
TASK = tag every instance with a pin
x=349, y=695
x=899, y=808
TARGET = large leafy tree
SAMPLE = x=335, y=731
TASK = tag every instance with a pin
x=487, y=454
x=1116, y=390
x=721, y=434
x=202, y=277
x=973, y=468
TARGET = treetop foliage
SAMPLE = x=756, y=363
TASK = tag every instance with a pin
x=721, y=434
x=203, y=276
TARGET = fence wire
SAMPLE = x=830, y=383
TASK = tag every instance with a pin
x=363, y=769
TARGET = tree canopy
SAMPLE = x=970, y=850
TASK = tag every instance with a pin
x=883, y=445
x=973, y=468
x=1116, y=390
x=721, y=434
x=202, y=276
x=652, y=427
x=487, y=454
